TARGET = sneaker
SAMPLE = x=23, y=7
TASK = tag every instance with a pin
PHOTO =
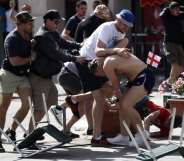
x=139, y=139
x=11, y=134
x=100, y=143
x=73, y=106
x=2, y=150
x=119, y=140
x=57, y=111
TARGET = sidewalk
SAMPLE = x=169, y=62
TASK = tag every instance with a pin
x=80, y=149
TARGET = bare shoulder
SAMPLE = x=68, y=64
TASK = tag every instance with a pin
x=110, y=59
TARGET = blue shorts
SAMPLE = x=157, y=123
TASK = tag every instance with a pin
x=146, y=78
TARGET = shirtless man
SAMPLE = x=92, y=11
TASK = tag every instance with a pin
x=141, y=82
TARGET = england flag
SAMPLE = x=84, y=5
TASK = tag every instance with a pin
x=153, y=59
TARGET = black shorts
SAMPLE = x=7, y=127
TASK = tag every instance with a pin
x=90, y=82
x=70, y=82
x=146, y=78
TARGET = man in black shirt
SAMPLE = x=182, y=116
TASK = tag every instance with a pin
x=48, y=46
x=71, y=26
x=86, y=27
x=173, y=18
x=15, y=70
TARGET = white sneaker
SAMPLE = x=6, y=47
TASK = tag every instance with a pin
x=119, y=140
x=139, y=139
x=57, y=111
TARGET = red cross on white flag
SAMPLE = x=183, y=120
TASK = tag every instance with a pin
x=153, y=59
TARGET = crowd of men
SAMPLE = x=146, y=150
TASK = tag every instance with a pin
x=95, y=65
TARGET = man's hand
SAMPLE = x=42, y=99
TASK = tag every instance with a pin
x=124, y=52
x=80, y=59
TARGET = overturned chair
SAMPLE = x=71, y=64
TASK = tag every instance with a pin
x=28, y=146
x=150, y=154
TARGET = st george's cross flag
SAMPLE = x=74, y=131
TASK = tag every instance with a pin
x=153, y=59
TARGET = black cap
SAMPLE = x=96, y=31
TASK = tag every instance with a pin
x=23, y=17
x=52, y=14
x=173, y=5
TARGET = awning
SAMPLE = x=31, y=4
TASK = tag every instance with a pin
x=152, y=2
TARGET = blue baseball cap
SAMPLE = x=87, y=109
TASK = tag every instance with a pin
x=126, y=17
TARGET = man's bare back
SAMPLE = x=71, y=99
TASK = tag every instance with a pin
x=129, y=67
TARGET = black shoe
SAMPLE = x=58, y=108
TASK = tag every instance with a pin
x=100, y=143
x=73, y=106
x=89, y=132
x=2, y=150
x=11, y=134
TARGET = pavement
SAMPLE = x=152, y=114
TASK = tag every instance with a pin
x=80, y=148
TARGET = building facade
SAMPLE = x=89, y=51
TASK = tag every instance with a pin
x=67, y=7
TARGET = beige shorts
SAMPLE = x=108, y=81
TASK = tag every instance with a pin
x=41, y=85
x=10, y=83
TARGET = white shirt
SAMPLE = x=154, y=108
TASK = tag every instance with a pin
x=107, y=33
x=10, y=24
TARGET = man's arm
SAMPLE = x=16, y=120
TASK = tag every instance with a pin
x=164, y=15
x=150, y=119
x=79, y=33
x=122, y=43
x=67, y=30
x=51, y=51
x=66, y=44
x=102, y=51
x=66, y=35
x=109, y=70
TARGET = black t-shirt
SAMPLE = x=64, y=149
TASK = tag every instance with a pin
x=174, y=26
x=15, y=45
x=72, y=25
x=86, y=27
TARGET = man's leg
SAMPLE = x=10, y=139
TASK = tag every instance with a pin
x=76, y=101
x=88, y=112
x=85, y=101
x=52, y=98
x=5, y=102
x=24, y=93
x=128, y=102
x=81, y=97
x=39, y=86
x=97, y=112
